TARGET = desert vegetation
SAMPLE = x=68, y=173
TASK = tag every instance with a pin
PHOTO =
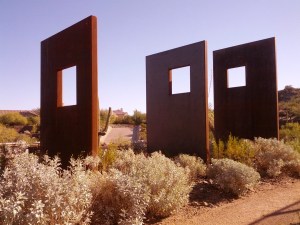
x=137, y=118
x=10, y=121
x=35, y=190
x=232, y=176
x=289, y=101
x=8, y=134
x=124, y=187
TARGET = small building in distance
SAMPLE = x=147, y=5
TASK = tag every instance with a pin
x=119, y=113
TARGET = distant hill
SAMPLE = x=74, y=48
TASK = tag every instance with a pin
x=289, y=105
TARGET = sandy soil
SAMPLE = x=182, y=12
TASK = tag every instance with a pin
x=272, y=203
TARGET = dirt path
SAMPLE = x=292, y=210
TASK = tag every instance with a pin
x=121, y=133
x=270, y=204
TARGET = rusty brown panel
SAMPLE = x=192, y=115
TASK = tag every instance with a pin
x=252, y=110
x=177, y=123
x=70, y=130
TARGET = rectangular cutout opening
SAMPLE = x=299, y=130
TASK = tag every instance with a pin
x=69, y=93
x=236, y=77
x=180, y=80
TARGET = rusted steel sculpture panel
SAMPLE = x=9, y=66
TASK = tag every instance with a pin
x=252, y=110
x=70, y=130
x=177, y=123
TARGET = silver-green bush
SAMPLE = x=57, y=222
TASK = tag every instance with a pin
x=232, y=176
x=168, y=184
x=117, y=199
x=194, y=164
x=273, y=158
x=41, y=193
x=38, y=191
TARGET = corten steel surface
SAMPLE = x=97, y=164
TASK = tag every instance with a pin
x=177, y=123
x=252, y=110
x=70, y=130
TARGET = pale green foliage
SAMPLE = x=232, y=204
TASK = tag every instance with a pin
x=41, y=193
x=38, y=191
x=273, y=158
x=168, y=184
x=9, y=152
x=240, y=150
x=232, y=176
x=13, y=119
x=195, y=164
x=290, y=133
x=118, y=199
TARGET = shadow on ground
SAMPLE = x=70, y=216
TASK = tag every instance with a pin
x=206, y=194
x=289, y=215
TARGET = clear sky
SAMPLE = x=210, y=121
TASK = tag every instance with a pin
x=130, y=30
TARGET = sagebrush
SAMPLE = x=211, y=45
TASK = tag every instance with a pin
x=232, y=176
x=118, y=199
x=168, y=184
x=273, y=158
x=36, y=190
x=39, y=192
x=193, y=163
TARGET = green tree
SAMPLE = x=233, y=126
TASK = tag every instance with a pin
x=138, y=117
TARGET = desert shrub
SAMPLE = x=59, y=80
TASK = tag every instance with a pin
x=168, y=183
x=118, y=199
x=295, y=144
x=124, y=120
x=138, y=117
x=107, y=156
x=8, y=152
x=195, y=164
x=12, y=119
x=273, y=158
x=218, y=149
x=232, y=176
x=143, y=132
x=240, y=150
x=139, y=146
x=11, y=135
x=290, y=133
x=26, y=138
x=7, y=134
x=34, y=192
x=34, y=120
x=120, y=144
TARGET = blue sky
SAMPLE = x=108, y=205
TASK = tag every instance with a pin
x=130, y=30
